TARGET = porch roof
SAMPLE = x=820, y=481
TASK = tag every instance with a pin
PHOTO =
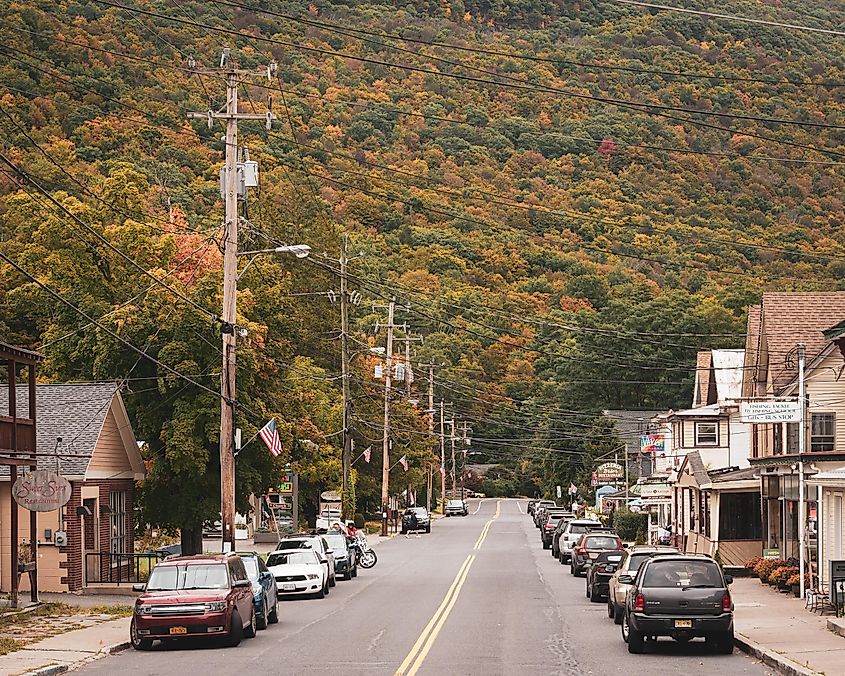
x=792, y=458
x=829, y=478
x=711, y=411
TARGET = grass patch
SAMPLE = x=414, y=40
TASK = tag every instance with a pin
x=10, y=645
x=116, y=611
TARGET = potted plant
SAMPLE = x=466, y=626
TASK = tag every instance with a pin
x=752, y=563
x=794, y=583
x=780, y=575
x=765, y=568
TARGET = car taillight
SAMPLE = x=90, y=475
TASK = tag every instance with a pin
x=601, y=568
x=619, y=546
x=582, y=549
x=639, y=603
x=726, y=602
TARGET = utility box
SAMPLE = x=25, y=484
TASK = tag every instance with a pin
x=250, y=173
x=837, y=581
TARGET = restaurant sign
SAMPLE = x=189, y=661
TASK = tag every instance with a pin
x=652, y=443
x=41, y=491
x=761, y=412
x=609, y=473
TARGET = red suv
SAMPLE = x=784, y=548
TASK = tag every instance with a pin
x=202, y=595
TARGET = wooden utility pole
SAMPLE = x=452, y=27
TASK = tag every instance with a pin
x=388, y=372
x=228, y=320
x=442, y=463
x=452, y=435
x=465, y=438
x=346, y=459
x=430, y=428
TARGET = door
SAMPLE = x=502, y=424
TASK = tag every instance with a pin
x=91, y=543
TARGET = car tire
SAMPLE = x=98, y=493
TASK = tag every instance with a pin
x=634, y=639
x=617, y=614
x=594, y=598
x=236, y=630
x=273, y=615
x=137, y=642
x=322, y=593
x=428, y=528
x=261, y=620
x=252, y=628
x=611, y=610
x=332, y=581
x=723, y=642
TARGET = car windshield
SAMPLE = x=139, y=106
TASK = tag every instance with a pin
x=295, y=544
x=251, y=565
x=601, y=542
x=291, y=558
x=455, y=503
x=419, y=511
x=189, y=576
x=682, y=574
x=336, y=540
x=578, y=528
x=636, y=560
x=554, y=520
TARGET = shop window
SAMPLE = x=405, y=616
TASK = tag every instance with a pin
x=792, y=437
x=117, y=521
x=822, y=432
x=706, y=434
x=739, y=516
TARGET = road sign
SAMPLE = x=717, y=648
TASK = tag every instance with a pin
x=559, y=492
x=759, y=412
x=41, y=491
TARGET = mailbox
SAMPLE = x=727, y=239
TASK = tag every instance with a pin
x=837, y=580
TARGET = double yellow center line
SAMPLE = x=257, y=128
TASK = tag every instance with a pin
x=420, y=649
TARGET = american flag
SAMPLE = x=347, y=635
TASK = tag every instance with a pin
x=404, y=462
x=270, y=436
x=442, y=471
x=367, y=451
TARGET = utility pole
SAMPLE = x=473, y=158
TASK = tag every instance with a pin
x=465, y=438
x=802, y=443
x=346, y=458
x=388, y=371
x=430, y=428
x=452, y=427
x=230, y=181
x=442, y=463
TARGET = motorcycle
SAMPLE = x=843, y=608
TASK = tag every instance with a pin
x=366, y=557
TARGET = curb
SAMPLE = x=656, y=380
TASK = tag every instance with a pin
x=782, y=664
x=836, y=627
x=53, y=669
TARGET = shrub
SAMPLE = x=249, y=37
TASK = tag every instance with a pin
x=781, y=574
x=752, y=562
x=358, y=520
x=766, y=566
x=630, y=525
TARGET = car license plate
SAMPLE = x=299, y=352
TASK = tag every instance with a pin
x=683, y=624
x=178, y=630
x=288, y=587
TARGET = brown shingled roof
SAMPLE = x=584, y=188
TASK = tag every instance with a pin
x=793, y=317
x=752, y=339
x=702, y=364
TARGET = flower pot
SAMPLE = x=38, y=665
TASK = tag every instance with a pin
x=796, y=590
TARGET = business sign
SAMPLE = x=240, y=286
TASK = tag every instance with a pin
x=761, y=412
x=610, y=473
x=652, y=443
x=660, y=490
x=771, y=553
x=41, y=491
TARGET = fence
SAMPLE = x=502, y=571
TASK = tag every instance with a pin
x=119, y=568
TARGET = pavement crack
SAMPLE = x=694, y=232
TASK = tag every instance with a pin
x=374, y=643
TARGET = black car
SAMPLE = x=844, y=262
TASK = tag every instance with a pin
x=345, y=557
x=682, y=596
x=599, y=573
x=549, y=526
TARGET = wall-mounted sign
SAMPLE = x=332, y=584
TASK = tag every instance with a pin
x=610, y=473
x=760, y=412
x=660, y=490
x=41, y=491
x=652, y=443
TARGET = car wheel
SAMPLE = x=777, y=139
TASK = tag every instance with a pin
x=252, y=628
x=595, y=598
x=261, y=620
x=137, y=642
x=617, y=614
x=611, y=611
x=634, y=639
x=588, y=592
x=428, y=528
x=236, y=630
x=723, y=642
x=273, y=615
x=322, y=593
x=332, y=581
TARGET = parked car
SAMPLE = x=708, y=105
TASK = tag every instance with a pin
x=423, y=519
x=590, y=546
x=539, y=508
x=189, y=596
x=630, y=564
x=345, y=557
x=319, y=544
x=299, y=571
x=682, y=596
x=551, y=522
x=549, y=512
x=572, y=533
x=599, y=572
x=529, y=509
x=558, y=531
x=264, y=594
x=456, y=508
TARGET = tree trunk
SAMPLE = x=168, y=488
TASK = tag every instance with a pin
x=191, y=540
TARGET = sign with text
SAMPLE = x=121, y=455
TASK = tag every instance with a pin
x=761, y=412
x=652, y=443
x=610, y=473
x=41, y=491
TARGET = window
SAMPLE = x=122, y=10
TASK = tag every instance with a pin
x=706, y=434
x=822, y=431
x=739, y=516
x=777, y=438
x=117, y=519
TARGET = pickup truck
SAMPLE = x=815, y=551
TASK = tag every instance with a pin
x=327, y=519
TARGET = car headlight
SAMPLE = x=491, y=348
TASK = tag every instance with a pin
x=215, y=606
x=313, y=576
x=142, y=609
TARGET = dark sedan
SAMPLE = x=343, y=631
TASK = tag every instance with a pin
x=599, y=574
x=264, y=592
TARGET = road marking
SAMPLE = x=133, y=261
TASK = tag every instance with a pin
x=434, y=618
x=479, y=506
x=412, y=662
x=519, y=507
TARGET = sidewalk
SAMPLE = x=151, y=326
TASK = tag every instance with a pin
x=778, y=630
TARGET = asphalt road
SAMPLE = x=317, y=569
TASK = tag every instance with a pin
x=477, y=596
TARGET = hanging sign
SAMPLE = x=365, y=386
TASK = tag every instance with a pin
x=760, y=412
x=610, y=473
x=41, y=491
x=652, y=443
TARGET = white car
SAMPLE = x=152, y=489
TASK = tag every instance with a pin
x=298, y=571
x=572, y=533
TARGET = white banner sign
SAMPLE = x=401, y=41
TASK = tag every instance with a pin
x=769, y=411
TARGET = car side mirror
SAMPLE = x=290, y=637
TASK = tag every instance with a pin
x=625, y=545
x=626, y=579
x=729, y=579
x=139, y=587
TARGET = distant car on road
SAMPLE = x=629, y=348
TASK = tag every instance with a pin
x=558, y=531
x=191, y=596
x=319, y=544
x=572, y=533
x=539, y=510
x=590, y=546
x=264, y=593
x=456, y=508
x=600, y=571
x=345, y=557
x=682, y=596
x=423, y=519
x=549, y=525
x=630, y=564
x=299, y=571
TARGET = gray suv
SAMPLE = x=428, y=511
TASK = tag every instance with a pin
x=423, y=520
x=682, y=596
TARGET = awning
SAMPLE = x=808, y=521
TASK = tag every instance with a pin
x=711, y=411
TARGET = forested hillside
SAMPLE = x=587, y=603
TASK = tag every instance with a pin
x=567, y=200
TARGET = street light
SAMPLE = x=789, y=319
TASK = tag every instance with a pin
x=298, y=250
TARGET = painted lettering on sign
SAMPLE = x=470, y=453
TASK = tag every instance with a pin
x=41, y=491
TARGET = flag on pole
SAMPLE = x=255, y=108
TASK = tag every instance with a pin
x=442, y=471
x=572, y=489
x=270, y=436
x=404, y=462
x=367, y=452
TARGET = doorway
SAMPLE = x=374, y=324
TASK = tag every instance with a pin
x=90, y=541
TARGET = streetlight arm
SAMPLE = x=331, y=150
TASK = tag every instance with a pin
x=298, y=250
